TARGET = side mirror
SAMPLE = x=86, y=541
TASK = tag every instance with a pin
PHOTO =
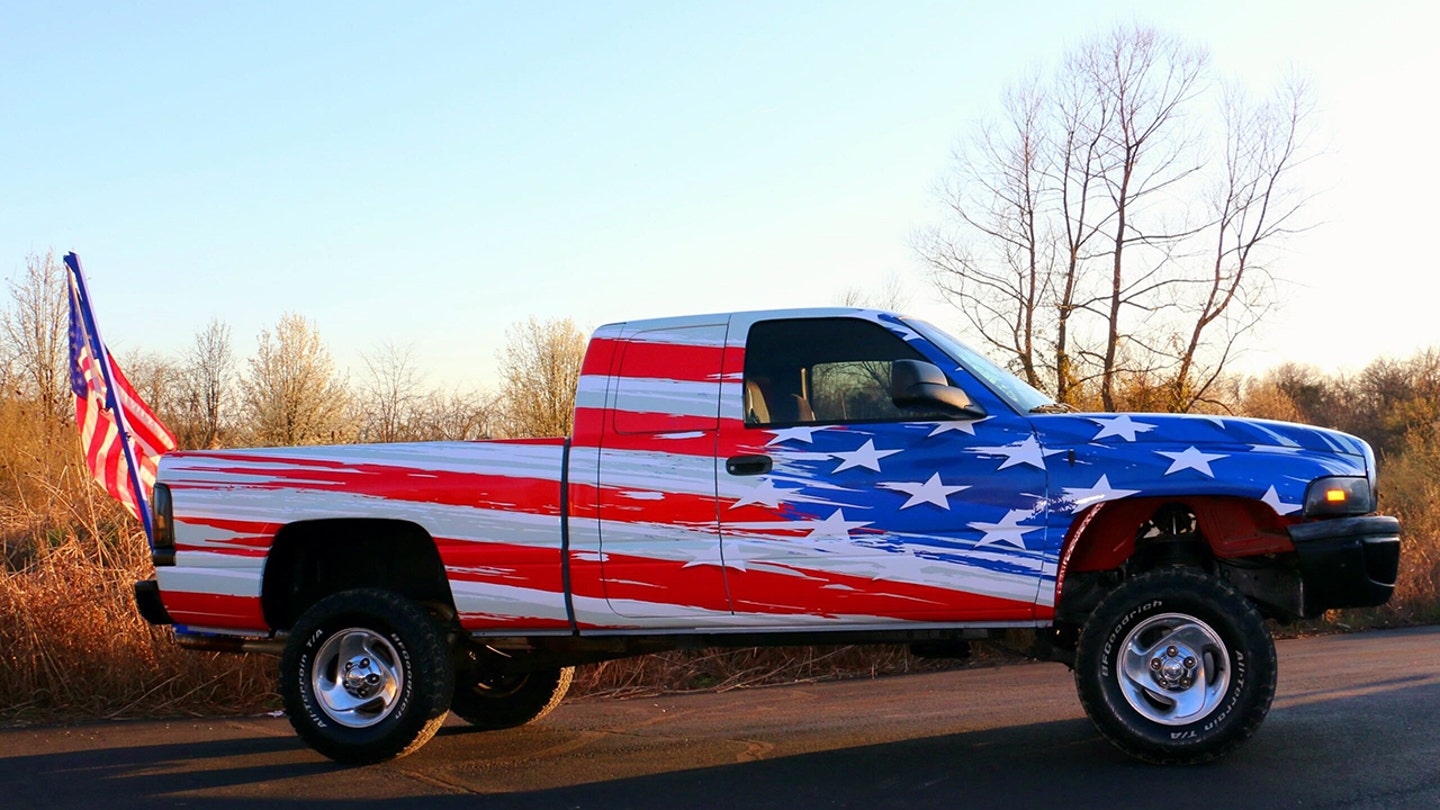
x=917, y=384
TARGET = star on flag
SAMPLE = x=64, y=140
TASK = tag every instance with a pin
x=1122, y=426
x=934, y=491
x=1101, y=491
x=723, y=554
x=835, y=526
x=764, y=493
x=867, y=456
x=1191, y=459
x=1026, y=452
x=799, y=434
x=1281, y=508
x=964, y=426
x=1008, y=530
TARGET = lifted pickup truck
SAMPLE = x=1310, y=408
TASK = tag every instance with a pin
x=785, y=477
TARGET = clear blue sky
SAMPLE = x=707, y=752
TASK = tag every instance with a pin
x=427, y=174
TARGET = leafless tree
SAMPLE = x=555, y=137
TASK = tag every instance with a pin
x=292, y=395
x=390, y=398
x=1251, y=206
x=157, y=379
x=994, y=261
x=207, y=388
x=539, y=370
x=891, y=296
x=35, y=331
x=1093, y=236
x=455, y=416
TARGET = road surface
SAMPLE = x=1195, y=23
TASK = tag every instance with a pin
x=1354, y=725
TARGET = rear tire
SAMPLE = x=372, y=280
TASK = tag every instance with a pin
x=1175, y=667
x=366, y=676
x=494, y=702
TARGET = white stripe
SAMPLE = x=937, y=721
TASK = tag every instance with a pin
x=213, y=581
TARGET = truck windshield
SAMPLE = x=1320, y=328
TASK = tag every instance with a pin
x=1007, y=386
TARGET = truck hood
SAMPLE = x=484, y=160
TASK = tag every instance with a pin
x=1057, y=430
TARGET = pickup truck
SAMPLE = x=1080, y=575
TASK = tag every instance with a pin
x=815, y=476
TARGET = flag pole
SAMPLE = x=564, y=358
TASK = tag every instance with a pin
x=112, y=399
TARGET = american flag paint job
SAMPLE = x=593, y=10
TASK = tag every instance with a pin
x=859, y=525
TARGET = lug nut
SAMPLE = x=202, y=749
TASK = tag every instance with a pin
x=1189, y=662
x=1172, y=651
x=1155, y=663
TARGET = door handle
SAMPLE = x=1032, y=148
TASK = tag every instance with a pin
x=748, y=465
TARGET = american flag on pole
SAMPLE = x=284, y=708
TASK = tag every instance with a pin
x=119, y=434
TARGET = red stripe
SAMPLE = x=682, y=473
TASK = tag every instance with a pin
x=536, y=496
x=214, y=610
x=532, y=567
x=491, y=621
x=670, y=361
x=802, y=592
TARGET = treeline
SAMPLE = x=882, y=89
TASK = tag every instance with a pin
x=72, y=644
x=288, y=391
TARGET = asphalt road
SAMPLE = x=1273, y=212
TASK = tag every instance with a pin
x=1354, y=725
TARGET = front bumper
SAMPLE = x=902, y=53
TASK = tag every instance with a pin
x=1347, y=562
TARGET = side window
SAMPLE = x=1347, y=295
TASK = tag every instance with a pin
x=822, y=370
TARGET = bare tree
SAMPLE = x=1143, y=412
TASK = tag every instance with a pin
x=1145, y=78
x=157, y=379
x=539, y=370
x=292, y=394
x=389, y=400
x=891, y=296
x=455, y=416
x=993, y=263
x=207, y=388
x=1093, y=237
x=1251, y=207
x=35, y=332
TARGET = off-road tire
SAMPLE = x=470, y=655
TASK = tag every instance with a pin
x=494, y=702
x=1159, y=622
x=392, y=646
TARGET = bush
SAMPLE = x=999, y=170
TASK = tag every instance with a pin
x=74, y=646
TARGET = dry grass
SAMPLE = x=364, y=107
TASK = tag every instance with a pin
x=1410, y=490
x=74, y=646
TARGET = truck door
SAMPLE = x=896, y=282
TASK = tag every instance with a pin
x=659, y=537
x=838, y=508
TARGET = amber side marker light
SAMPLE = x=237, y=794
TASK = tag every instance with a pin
x=1335, y=495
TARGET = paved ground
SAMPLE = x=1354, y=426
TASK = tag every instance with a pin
x=1354, y=725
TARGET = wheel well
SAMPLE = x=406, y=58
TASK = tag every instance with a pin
x=312, y=559
x=1113, y=540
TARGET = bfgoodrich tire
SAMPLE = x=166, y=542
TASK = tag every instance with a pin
x=366, y=676
x=1175, y=667
x=505, y=701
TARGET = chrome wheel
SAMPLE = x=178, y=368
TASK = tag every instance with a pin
x=357, y=678
x=1173, y=669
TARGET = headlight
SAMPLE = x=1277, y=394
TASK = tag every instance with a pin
x=1339, y=496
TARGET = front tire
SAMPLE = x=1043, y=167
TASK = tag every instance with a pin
x=366, y=676
x=494, y=702
x=1175, y=667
